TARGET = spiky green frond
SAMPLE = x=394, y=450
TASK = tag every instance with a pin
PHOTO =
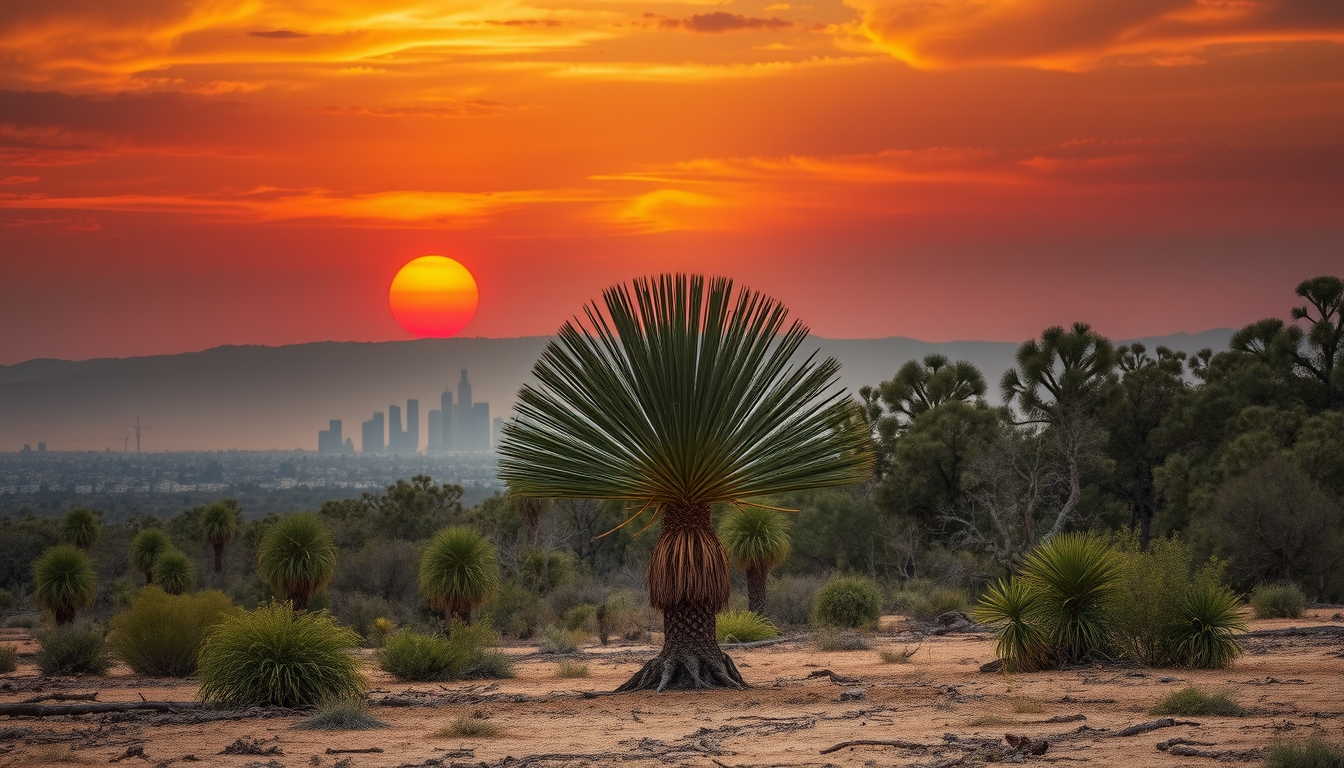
x=174, y=572
x=219, y=522
x=459, y=570
x=755, y=537
x=681, y=393
x=146, y=548
x=297, y=557
x=80, y=527
x=64, y=581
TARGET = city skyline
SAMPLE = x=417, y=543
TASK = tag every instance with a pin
x=468, y=427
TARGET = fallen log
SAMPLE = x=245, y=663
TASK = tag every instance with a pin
x=365, y=751
x=62, y=697
x=1152, y=725
x=876, y=743
x=99, y=708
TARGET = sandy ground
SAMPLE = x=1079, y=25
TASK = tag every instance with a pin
x=938, y=709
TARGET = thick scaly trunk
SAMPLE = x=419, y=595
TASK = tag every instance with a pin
x=756, y=590
x=219, y=557
x=300, y=601
x=688, y=582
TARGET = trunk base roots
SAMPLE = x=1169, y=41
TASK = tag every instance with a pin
x=685, y=671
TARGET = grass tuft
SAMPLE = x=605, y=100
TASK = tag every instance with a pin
x=348, y=713
x=9, y=658
x=557, y=640
x=894, y=656
x=465, y=653
x=743, y=627
x=571, y=669
x=1314, y=752
x=473, y=726
x=1278, y=601
x=831, y=639
x=73, y=649
x=1190, y=701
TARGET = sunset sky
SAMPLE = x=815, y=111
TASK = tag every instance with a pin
x=176, y=175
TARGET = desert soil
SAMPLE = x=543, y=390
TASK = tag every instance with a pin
x=938, y=709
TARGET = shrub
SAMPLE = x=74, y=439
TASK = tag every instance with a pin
x=465, y=653
x=557, y=640
x=276, y=656
x=297, y=557
x=7, y=600
x=1012, y=609
x=517, y=611
x=1074, y=574
x=347, y=713
x=64, y=582
x=361, y=613
x=544, y=571
x=1144, y=612
x=174, y=572
x=458, y=572
x=743, y=627
x=789, y=602
x=468, y=726
x=1314, y=752
x=621, y=615
x=849, y=601
x=146, y=548
x=571, y=669
x=1204, y=638
x=9, y=658
x=833, y=639
x=24, y=621
x=582, y=618
x=1278, y=601
x=893, y=656
x=80, y=528
x=161, y=635
x=1190, y=701
x=73, y=649
x=929, y=605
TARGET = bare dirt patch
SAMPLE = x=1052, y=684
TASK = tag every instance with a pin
x=805, y=708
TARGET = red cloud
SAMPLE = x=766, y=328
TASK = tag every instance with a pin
x=720, y=21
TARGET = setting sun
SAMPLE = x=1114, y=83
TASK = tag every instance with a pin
x=433, y=296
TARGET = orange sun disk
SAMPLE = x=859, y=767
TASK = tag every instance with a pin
x=433, y=297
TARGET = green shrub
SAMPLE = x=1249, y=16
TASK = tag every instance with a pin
x=473, y=726
x=276, y=656
x=297, y=557
x=161, y=635
x=64, y=582
x=174, y=572
x=24, y=621
x=581, y=617
x=833, y=639
x=1074, y=575
x=743, y=627
x=1314, y=752
x=557, y=640
x=8, y=601
x=9, y=658
x=1278, y=601
x=1205, y=636
x=1191, y=701
x=544, y=571
x=1145, y=611
x=789, y=600
x=1012, y=609
x=459, y=571
x=849, y=601
x=80, y=528
x=929, y=605
x=517, y=611
x=347, y=713
x=361, y=613
x=571, y=669
x=467, y=652
x=73, y=649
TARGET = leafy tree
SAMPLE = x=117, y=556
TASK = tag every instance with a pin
x=674, y=398
x=297, y=557
x=1058, y=382
x=1314, y=354
x=931, y=459
x=219, y=524
x=757, y=540
x=64, y=582
x=410, y=510
x=892, y=406
x=146, y=548
x=458, y=571
x=80, y=527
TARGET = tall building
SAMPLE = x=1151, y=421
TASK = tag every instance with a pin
x=434, y=430
x=411, y=437
x=463, y=420
x=372, y=434
x=330, y=441
x=496, y=431
x=480, y=426
x=395, y=436
x=449, y=424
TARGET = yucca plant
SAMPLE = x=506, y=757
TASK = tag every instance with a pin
x=1205, y=638
x=677, y=393
x=146, y=548
x=1073, y=574
x=174, y=572
x=64, y=582
x=458, y=572
x=297, y=557
x=279, y=657
x=80, y=527
x=1013, y=610
x=757, y=541
x=219, y=524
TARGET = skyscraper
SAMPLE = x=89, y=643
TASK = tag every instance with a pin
x=480, y=426
x=496, y=431
x=449, y=424
x=395, y=437
x=372, y=434
x=434, y=430
x=330, y=441
x=463, y=420
x=411, y=443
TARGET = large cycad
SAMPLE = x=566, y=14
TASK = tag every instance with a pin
x=673, y=396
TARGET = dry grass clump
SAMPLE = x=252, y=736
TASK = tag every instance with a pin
x=1191, y=701
x=473, y=726
x=832, y=639
x=571, y=669
x=1314, y=752
x=897, y=656
x=9, y=658
x=344, y=713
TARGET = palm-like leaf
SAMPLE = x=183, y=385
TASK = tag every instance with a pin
x=174, y=572
x=1074, y=574
x=678, y=395
x=755, y=538
x=1205, y=638
x=1013, y=609
x=297, y=557
x=146, y=548
x=219, y=522
x=64, y=582
x=80, y=527
x=458, y=571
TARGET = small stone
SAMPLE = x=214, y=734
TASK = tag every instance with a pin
x=854, y=694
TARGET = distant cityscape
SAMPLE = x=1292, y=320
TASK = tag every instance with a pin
x=464, y=426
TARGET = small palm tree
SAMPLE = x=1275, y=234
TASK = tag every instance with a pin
x=297, y=557
x=64, y=582
x=146, y=548
x=80, y=528
x=675, y=396
x=458, y=572
x=757, y=541
x=219, y=523
x=174, y=572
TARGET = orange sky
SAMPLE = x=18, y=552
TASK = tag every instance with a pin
x=179, y=175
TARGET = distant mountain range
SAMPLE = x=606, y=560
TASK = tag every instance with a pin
x=260, y=398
